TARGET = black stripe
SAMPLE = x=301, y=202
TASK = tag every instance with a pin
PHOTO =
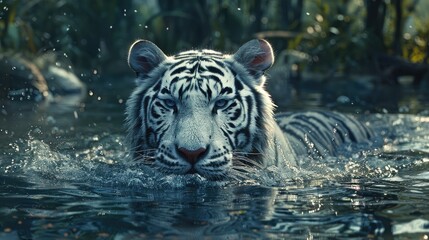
x=318, y=145
x=236, y=114
x=341, y=122
x=220, y=63
x=238, y=85
x=324, y=132
x=165, y=91
x=231, y=143
x=215, y=78
x=215, y=70
x=225, y=90
x=176, y=64
x=178, y=70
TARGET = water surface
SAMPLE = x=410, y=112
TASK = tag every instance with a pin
x=64, y=174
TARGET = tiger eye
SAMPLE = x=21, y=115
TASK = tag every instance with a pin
x=170, y=103
x=221, y=103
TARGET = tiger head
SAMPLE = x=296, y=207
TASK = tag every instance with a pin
x=200, y=111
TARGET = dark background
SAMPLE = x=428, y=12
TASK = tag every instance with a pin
x=339, y=36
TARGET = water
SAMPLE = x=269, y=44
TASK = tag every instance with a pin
x=64, y=174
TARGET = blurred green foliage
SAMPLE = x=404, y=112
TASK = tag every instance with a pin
x=339, y=35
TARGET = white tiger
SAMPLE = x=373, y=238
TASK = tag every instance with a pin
x=207, y=113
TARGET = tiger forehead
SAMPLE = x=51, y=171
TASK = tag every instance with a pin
x=199, y=65
x=203, y=72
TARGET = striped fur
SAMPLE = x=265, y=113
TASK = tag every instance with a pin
x=205, y=112
x=320, y=134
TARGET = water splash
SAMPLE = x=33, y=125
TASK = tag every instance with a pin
x=102, y=159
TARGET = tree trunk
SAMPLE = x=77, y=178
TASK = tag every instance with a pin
x=398, y=28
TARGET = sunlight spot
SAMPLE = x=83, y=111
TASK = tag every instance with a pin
x=334, y=30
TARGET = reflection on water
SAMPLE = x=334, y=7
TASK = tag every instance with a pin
x=65, y=174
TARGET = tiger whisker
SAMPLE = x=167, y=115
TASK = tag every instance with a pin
x=247, y=162
x=238, y=175
x=247, y=153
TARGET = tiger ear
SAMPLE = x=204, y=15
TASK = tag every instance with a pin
x=256, y=56
x=144, y=56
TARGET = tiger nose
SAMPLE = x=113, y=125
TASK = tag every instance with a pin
x=192, y=156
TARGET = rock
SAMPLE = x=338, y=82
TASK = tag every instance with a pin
x=21, y=80
x=37, y=80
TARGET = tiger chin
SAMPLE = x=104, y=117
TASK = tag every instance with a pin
x=207, y=113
